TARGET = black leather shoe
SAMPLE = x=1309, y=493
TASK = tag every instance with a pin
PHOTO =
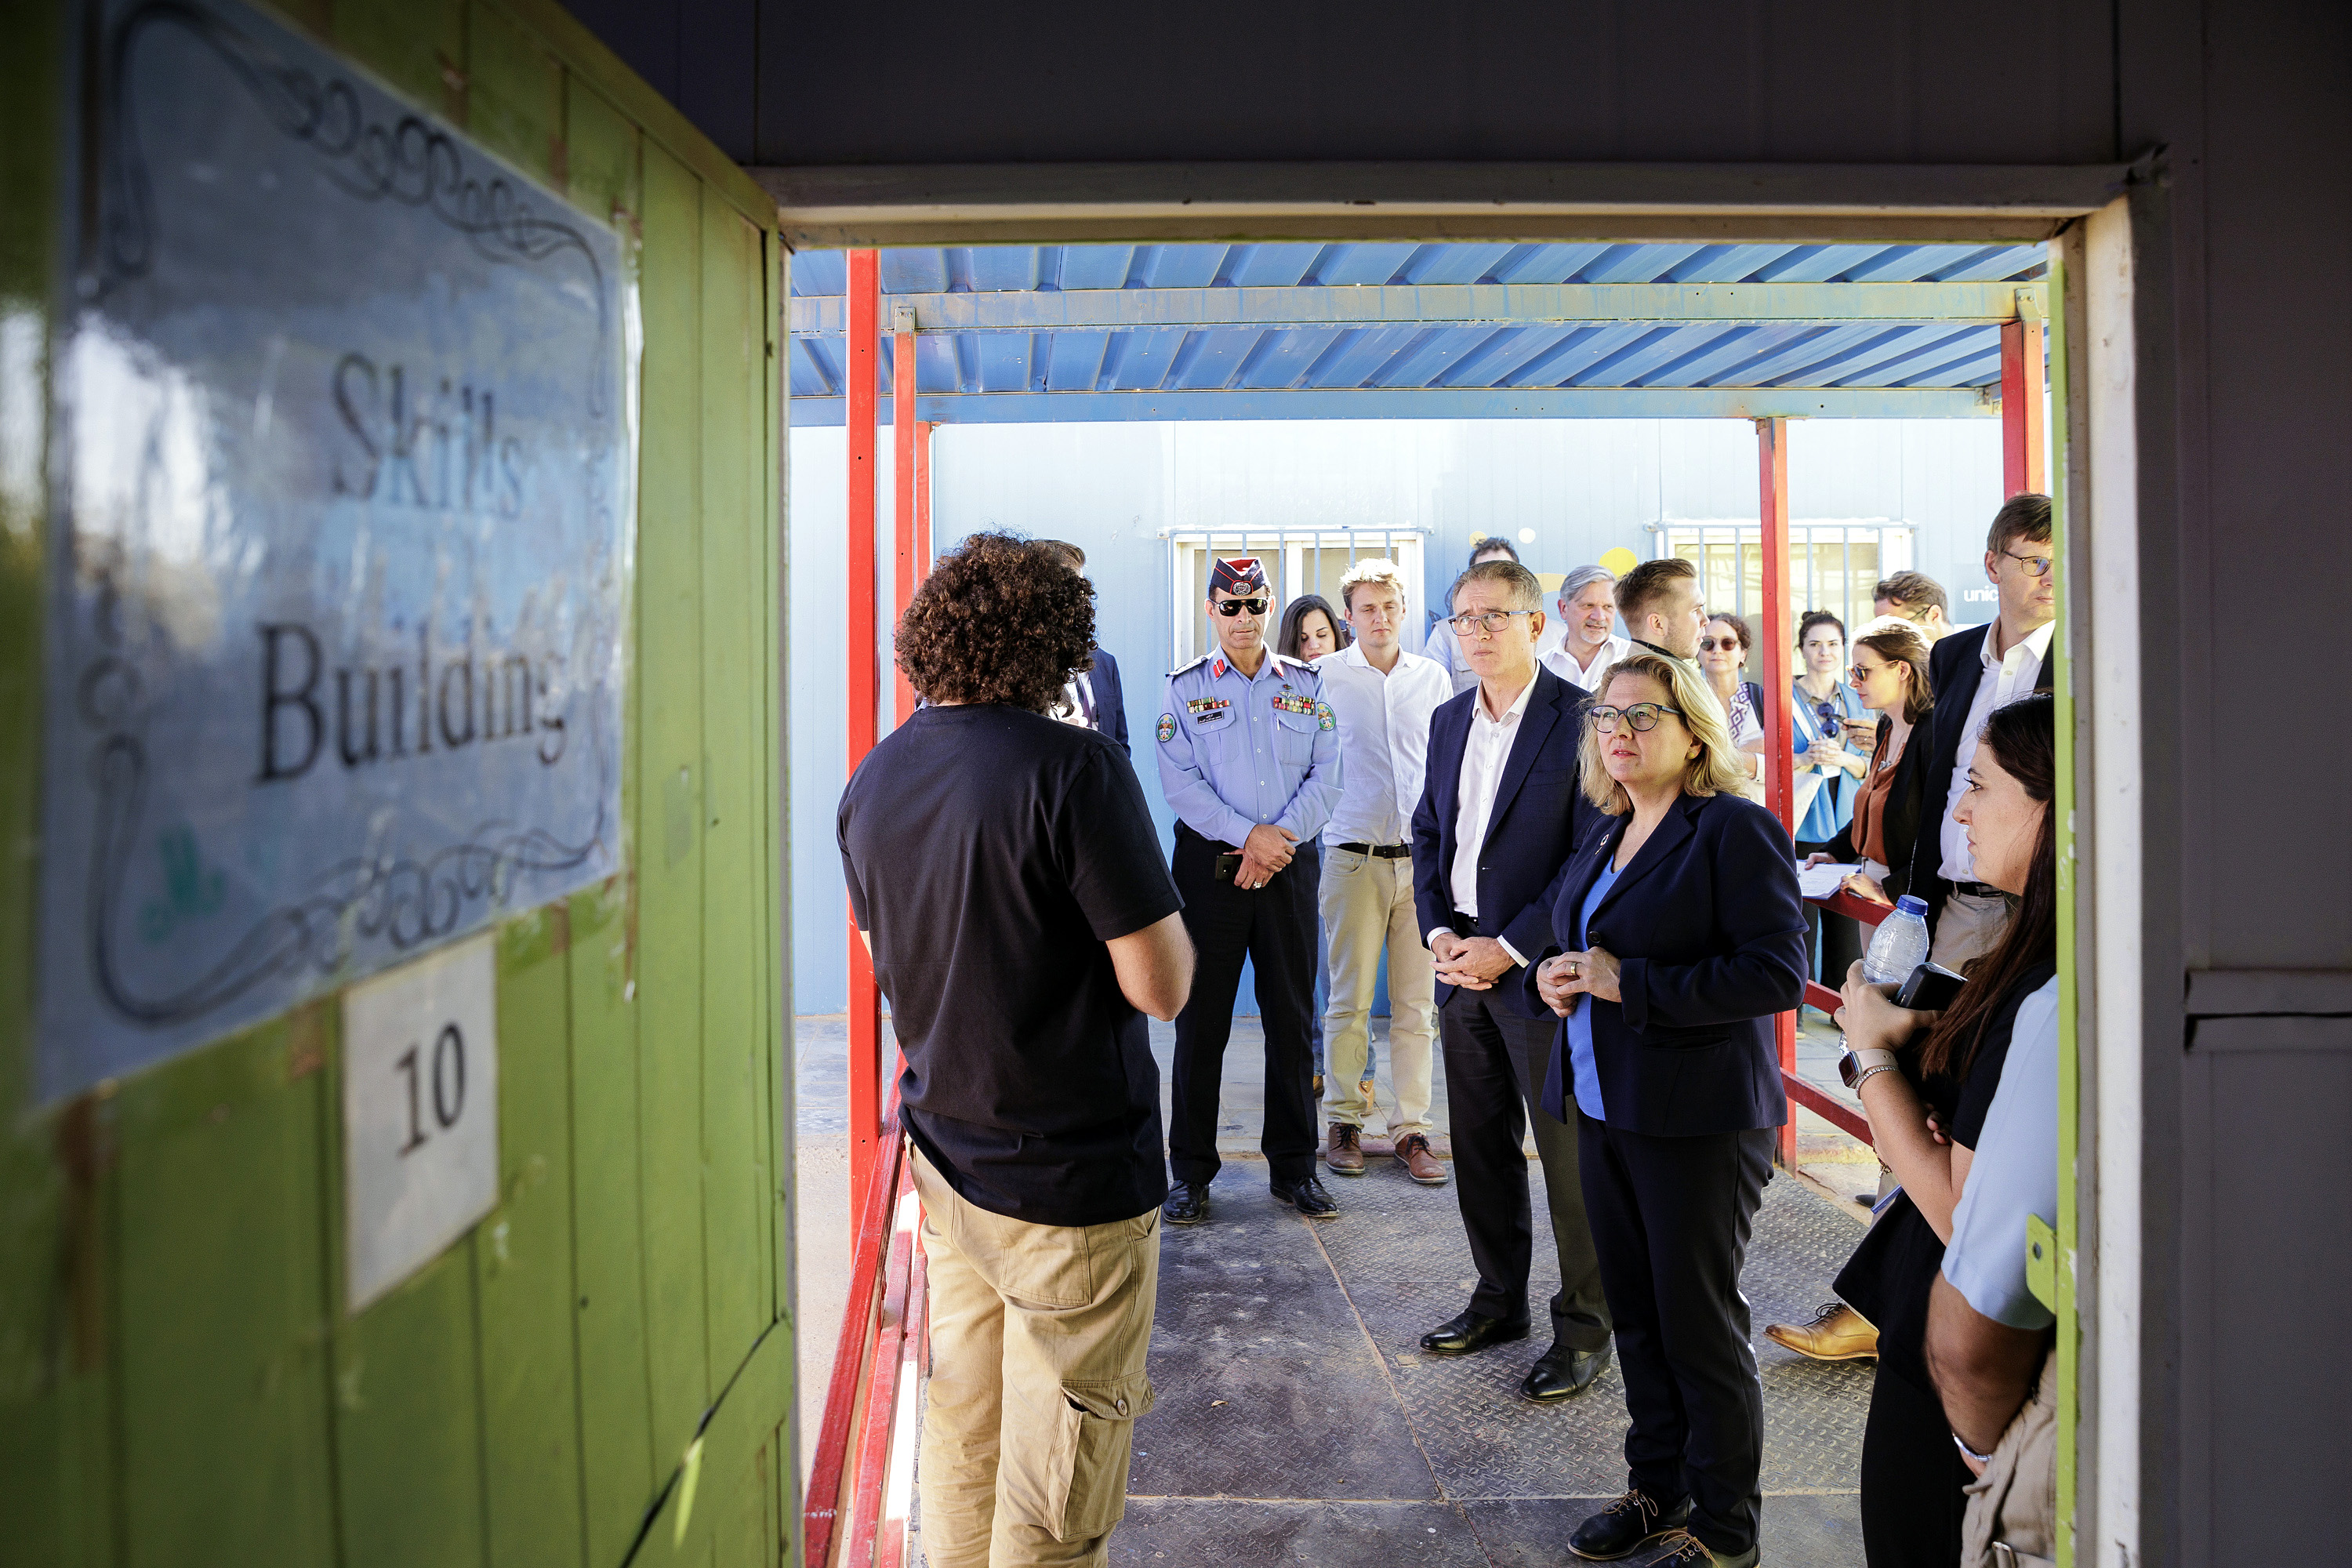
x=1471, y=1332
x=1561, y=1373
x=1627, y=1525
x=1187, y=1204
x=1305, y=1194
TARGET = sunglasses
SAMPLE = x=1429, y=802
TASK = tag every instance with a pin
x=1229, y=608
x=1726, y=644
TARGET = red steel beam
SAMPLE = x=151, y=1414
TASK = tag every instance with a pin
x=905, y=484
x=861, y=351
x=1780, y=764
x=2021, y=434
x=1842, y=1117
x=882, y=1393
x=870, y=1230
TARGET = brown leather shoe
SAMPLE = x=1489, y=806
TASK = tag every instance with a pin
x=1412, y=1154
x=1836, y=1333
x=1345, y=1154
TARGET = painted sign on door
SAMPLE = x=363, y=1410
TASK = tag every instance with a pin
x=340, y=550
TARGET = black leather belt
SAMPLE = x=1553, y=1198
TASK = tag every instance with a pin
x=1979, y=889
x=1379, y=851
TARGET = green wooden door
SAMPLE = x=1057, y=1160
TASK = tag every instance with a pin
x=179, y=1379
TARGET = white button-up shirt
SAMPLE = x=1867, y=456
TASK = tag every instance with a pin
x=1488, y=749
x=2005, y=680
x=1383, y=740
x=1563, y=663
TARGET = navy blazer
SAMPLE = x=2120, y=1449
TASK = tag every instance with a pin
x=1710, y=934
x=1110, y=704
x=1540, y=812
x=1955, y=671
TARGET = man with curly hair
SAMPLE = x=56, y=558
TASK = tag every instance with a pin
x=1003, y=872
x=1249, y=759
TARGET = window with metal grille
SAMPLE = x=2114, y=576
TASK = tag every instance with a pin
x=1834, y=564
x=1297, y=562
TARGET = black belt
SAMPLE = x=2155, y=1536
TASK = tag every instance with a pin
x=1379, y=851
x=1979, y=889
x=1464, y=925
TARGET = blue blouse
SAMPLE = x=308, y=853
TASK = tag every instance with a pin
x=1833, y=804
x=1580, y=1017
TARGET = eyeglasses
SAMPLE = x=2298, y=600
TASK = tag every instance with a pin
x=2036, y=565
x=1643, y=716
x=1229, y=608
x=1726, y=644
x=1490, y=622
x=1826, y=712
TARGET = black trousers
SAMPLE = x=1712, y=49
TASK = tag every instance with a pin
x=1274, y=928
x=1494, y=1065
x=1671, y=1218
x=1912, y=1478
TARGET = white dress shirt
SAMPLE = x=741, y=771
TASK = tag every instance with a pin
x=2005, y=680
x=1488, y=749
x=1383, y=740
x=1563, y=663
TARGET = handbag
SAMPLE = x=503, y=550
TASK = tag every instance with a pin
x=2012, y=1512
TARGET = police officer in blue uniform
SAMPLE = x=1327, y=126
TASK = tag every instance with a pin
x=1249, y=759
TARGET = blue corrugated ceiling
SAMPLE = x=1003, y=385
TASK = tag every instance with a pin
x=1190, y=355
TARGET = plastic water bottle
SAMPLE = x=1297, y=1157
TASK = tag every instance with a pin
x=1899, y=945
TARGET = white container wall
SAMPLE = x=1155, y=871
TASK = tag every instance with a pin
x=1564, y=491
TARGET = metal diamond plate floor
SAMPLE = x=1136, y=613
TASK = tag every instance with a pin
x=1299, y=1421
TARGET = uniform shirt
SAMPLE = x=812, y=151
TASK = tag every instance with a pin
x=1383, y=742
x=991, y=853
x=1238, y=752
x=2014, y=1173
x=1563, y=663
x=1483, y=755
x=2005, y=680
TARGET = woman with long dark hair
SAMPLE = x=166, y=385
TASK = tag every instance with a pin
x=1311, y=628
x=1927, y=1081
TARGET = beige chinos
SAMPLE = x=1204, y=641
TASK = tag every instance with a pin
x=1037, y=1336
x=1367, y=906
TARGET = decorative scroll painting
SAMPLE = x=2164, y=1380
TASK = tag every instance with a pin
x=341, y=545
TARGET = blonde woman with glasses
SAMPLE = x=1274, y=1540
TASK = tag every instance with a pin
x=1677, y=934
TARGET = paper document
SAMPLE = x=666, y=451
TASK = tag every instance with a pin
x=1821, y=881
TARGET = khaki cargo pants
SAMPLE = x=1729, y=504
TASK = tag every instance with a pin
x=1038, y=1335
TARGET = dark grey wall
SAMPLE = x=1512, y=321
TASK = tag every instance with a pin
x=2245, y=421
x=2003, y=81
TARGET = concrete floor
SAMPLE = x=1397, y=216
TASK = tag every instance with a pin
x=1440, y=1451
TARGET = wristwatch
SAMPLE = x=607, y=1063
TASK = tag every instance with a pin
x=1855, y=1066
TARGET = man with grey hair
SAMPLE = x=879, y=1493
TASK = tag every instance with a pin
x=1589, y=643
x=1500, y=809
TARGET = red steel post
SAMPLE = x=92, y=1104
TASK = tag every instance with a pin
x=860, y=350
x=923, y=430
x=1780, y=764
x=906, y=477
x=2022, y=433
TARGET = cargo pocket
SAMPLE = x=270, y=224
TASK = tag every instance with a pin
x=1086, y=1472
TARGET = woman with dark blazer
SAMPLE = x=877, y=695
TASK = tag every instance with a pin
x=1925, y=1082
x=1677, y=934
x=1890, y=677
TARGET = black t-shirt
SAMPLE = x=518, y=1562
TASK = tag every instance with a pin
x=991, y=853
x=1894, y=1267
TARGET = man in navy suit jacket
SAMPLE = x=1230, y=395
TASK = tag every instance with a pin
x=1095, y=690
x=1499, y=812
x=1110, y=704
x=1971, y=673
